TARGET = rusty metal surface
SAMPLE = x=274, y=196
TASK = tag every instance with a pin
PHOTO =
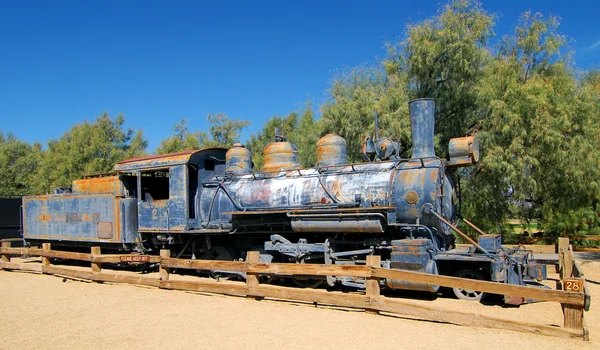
x=490, y=242
x=298, y=190
x=331, y=150
x=405, y=185
x=108, y=184
x=80, y=218
x=354, y=226
x=367, y=150
x=422, y=123
x=280, y=156
x=413, y=255
x=416, y=184
x=169, y=214
x=154, y=160
x=238, y=160
x=179, y=209
x=105, y=230
x=386, y=148
x=314, y=211
x=166, y=160
x=463, y=151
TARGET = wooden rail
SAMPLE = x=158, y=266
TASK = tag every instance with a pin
x=570, y=292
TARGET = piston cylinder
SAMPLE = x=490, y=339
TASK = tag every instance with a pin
x=413, y=255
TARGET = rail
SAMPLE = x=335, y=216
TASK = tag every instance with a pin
x=571, y=290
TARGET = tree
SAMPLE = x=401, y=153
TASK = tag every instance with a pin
x=18, y=165
x=305, y=136
x=224, y=132
x=537, y=118
x=299, y=128
x=355, y=96
x=258, y=141
x=182, y=139
x=540, y=136
x=444, y=58
x=88, y=148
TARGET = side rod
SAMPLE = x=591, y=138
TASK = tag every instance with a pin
x=481, y=232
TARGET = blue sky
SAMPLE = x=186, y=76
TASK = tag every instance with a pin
x=157, y=62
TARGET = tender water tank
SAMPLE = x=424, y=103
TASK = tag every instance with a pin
x=331, y=150
x=281, y=155
x=238, y=160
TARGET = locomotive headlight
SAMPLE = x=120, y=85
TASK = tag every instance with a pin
x=463, y=151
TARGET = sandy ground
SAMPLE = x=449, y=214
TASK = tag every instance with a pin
x=39, y=311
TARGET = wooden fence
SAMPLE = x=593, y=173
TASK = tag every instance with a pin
x=571, y=291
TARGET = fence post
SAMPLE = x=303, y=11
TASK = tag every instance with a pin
x=562, y=245
x=567, y=268
x=5, y=257
x=164, y=271
x=251, y=278
x=573, y=315
x=372, y=283
x=45, y=260
x=96, y=267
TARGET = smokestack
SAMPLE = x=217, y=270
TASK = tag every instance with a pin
x=422, y=120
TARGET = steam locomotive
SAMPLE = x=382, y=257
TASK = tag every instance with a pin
x=211, y=204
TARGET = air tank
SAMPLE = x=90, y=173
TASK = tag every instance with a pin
x=238, y=160
x=331, y=150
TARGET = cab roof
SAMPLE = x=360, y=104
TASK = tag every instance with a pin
x=191, y=156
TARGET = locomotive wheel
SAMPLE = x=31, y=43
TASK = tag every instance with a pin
x=263, y=278
x=221, y=253
x=307, y=282
x=469, y=294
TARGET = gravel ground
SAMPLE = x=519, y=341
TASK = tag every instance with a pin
x=40, y=311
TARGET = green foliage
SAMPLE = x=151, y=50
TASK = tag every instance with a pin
x=257, y=142
x=300, y=129
x=182, y=139
x=540, y=136
x=305, y=136
x=537, y=118
x=443, y=58
x=88, y=148
x=355, y=96
x=224, y=132
x=18, y=164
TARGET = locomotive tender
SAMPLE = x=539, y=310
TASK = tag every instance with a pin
x=210, y=204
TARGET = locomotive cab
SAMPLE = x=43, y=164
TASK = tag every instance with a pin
x=167, y=187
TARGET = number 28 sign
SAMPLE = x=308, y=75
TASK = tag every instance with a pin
x=573, y=285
